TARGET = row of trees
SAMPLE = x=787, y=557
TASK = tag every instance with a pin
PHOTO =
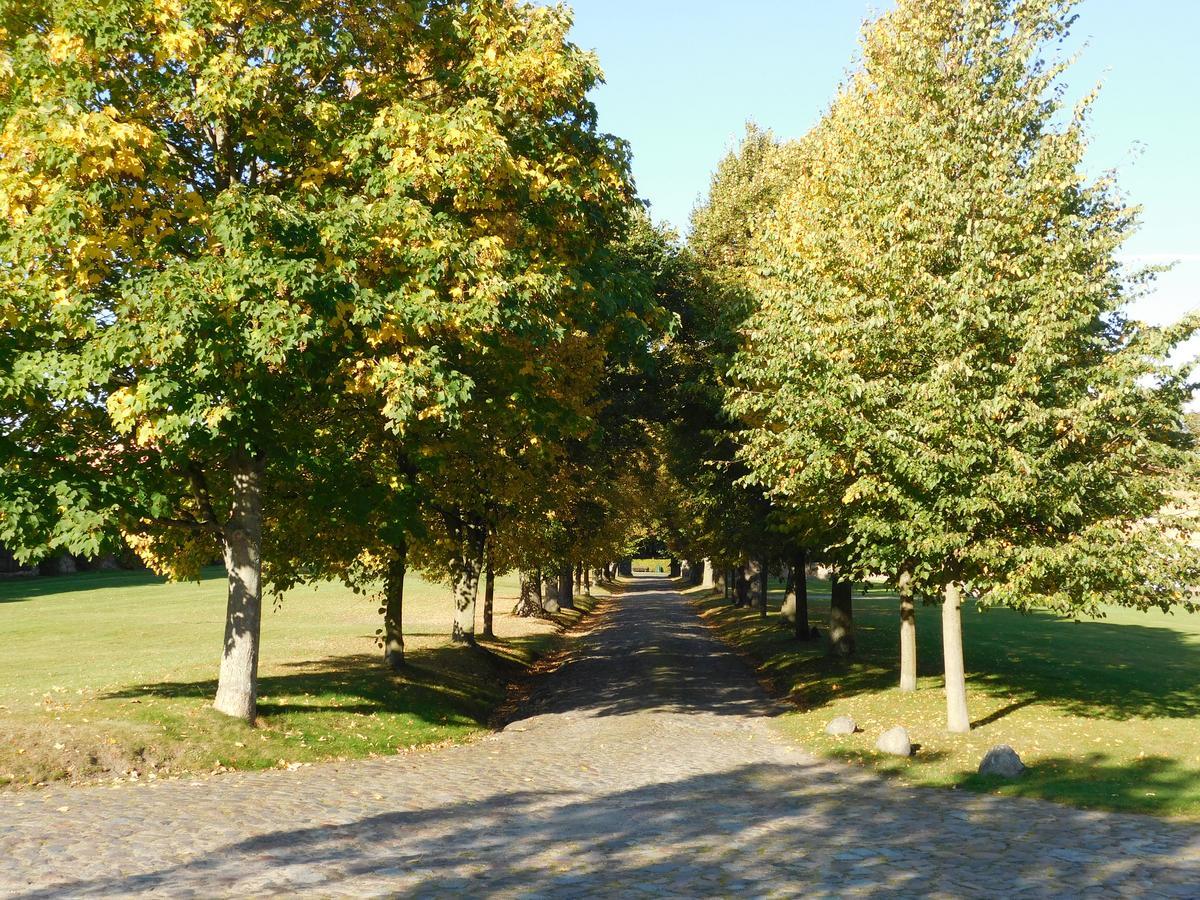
x=338, y=291
x=915, y=357
x=332, y=290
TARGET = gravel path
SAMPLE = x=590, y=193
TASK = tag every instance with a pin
x=647, y=765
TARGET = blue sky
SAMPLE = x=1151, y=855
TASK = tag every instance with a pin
x=683, y=76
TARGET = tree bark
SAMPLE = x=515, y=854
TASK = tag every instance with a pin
x=237, y=684
x=908, y=633
x=587, y=581
x=841, y=617
x=466, y=583
x=708, y=580
x=393, y=610
x=799, y=578
x=489, y=597
x=578, y=577
x=957, y=718
x=565, y=597
x=530, y=601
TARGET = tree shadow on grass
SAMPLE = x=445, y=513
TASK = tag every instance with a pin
x=17, y=590
x=435, y=682
x=752, y=829
x=1096, y=669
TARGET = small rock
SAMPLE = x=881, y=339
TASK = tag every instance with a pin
x=1002, y=761
x=842, y=725
x=895, y=741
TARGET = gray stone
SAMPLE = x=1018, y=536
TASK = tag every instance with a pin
x=842, y=725
x=895, y=741
x=1002, y=761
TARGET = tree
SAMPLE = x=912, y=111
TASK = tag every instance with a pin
x=220, y=218
x=942, y=349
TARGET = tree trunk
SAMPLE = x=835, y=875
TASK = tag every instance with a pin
x=841, y=617
x=957, y=718
x=708, y=580
x=741, y=587
x=578, y=577
x=799, y=578
x=908, y=633
x=763, y=589
x=530, y=601
x=728, y=582
x=489, y=597
x=466, y=583
x=237, y=684
x=565, y=598
x=587, y=581
x=393, y=610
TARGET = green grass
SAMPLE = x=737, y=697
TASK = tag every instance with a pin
x=1106, y=713
x=111, y=675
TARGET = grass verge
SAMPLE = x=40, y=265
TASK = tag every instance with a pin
x=1106, y=713
x=110, y=676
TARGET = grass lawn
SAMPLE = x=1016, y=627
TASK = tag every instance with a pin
x=111, y=675
x=1106, y=713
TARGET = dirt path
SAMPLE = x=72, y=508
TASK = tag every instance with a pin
x=645, y=765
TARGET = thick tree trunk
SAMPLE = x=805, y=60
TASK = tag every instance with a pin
x=578, y=577
x=489, y=598
x=237, y=684
x=565, y=597
x=957, y=718
x=674, y=568
x=393, y=610
x=908, y=633
x=708, y=580
x=763, y=589
x=466, y=584
x=841, y=617
x=798, y=575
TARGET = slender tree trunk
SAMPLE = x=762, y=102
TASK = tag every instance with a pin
x=587, y=581
x=841, y=617
x=708, y=580
x=237, y=684
x=489, y=597
x=393, y=609
x=908, y=633
x=728, y=582
x=799, y=578
x=578, y=577
x=466, y=584
x=565, y=598
x=763, y=577
x=957, y=718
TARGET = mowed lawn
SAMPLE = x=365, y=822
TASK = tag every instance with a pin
x=111, y=675
x=1106, y=713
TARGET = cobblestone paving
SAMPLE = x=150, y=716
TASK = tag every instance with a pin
x=645, y=766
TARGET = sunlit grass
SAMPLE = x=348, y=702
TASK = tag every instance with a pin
x=1106, y=713
x=108, y=675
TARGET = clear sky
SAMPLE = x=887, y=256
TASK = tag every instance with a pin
x=683, y=76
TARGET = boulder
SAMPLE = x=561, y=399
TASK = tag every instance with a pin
x=1002, y=761
x=841, y=725
x=895, y=741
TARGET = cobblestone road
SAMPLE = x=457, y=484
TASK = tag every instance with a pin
x=645, y=766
